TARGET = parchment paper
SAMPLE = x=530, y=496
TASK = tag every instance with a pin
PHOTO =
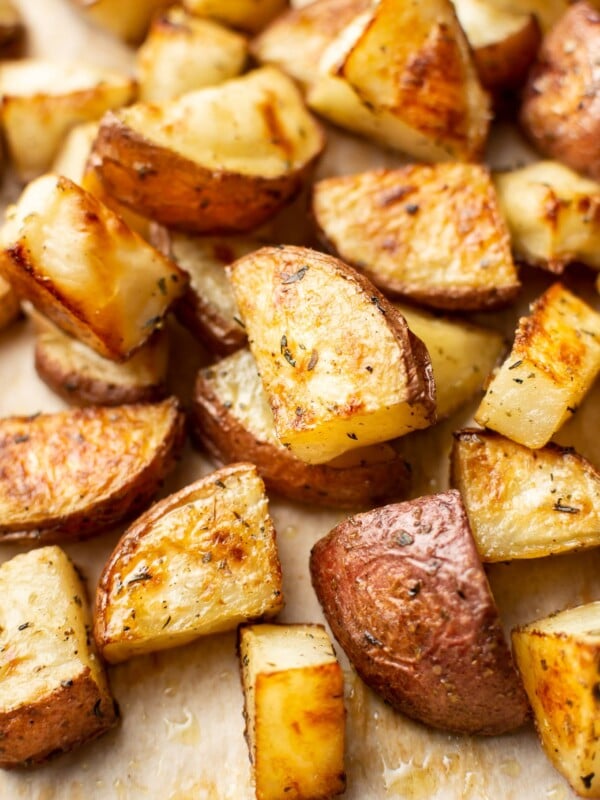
x=181, y=735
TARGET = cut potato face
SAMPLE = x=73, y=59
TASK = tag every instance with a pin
x=339, y=366
x=294, y=709
x=198, y=562
x=183, y=53
x=404, y=77
x=129, y=21
x=54, y=694
x=73, y=474
x=407, y=598
x=249, y=15
x=430, y=233
x=72, y=157
x=524, y=503
x=80, y=265
x=553, y=362
x=233, y=420
x=553, y=215
x=43, y=100
x=219, y=160
x=558, y=658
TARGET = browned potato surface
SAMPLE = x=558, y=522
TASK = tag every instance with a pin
x=73, y=474
x=129, y=20
x=12, y=29
x=10, y=307
x=561, y=105
x=430, y=233
x=406, y=597
x=249, y=15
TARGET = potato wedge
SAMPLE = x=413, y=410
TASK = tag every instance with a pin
x=183, y=53
x=524, y=503
x=232, y=419
x=80, y=265
x=554, y=360
x=219, y=160
x=249, y=15
x=82, y=377
x=558, y=659
x=43, y=100
x=54, y=694
x=404, y=77
x=294, y=710
x=430, y=233
x=73, y=474
x=198, y=562
x=408, y=600
x=462, y=355
x=339, y=366
x=561, y=103
x=128, y=21
x=553, y=215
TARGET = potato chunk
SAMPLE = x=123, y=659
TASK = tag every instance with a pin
x=431, y=233
x=233, y=421
x=249, y=15
x=10, y=307
x=198, y=562
x=72, y=157
x=127, y=20
x=403, y=75
x=340, y=368
x=558, y=659
x=554, y=360
x=222, y=159
x=73, y=474
x=294, y=709
x=54, y=694
x=80, y=265
x=12, y=29
x=553, y=215
x=43, y=100
x=524, y=503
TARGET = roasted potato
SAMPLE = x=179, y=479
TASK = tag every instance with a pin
x=129, y=20
x=558, y=658
x=43, y=100
x=54, y=694
x=72, y=474
x=524, y=503
x=249, y=15
x=10, y=307
x=12, y=29
x=554, y=360
x=553, y=215
x=408, y=600
x=232, y=419
x=430, y=233
x=198, y=562
x=218, y=160
x=339, y=365
x=294, y=710
x=404, y=76
x=548, y=12
x=82, y=377
x=561, y=103
x=73, y=155
x=84, y=268
x=183, y=52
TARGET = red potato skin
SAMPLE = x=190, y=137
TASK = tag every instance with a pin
x=406, y=597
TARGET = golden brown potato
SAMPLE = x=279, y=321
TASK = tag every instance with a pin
x=524, y=503
x=183, y=52
x=54, y=694
x=127, y=20
x=558, y=659
x=406, y=597
x=218, y=160
x=73, y=474
x=249, y=15
x=561, y=104
x=553, y=215
x=198, y=562
x=430, y=233
x=553, y=362
x=43, y=100
x=339, y=366
x=80, y=265
x=294, y=710
x=404, y=76
x=10, y=307
x=232, y=419
x=12, y=29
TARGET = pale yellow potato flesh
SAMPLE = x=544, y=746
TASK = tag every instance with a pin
x=127, y=20
x=339, y=366
x=548, y=12
x=72, y=158
x=294, y=709
x=554, y=359
x=249, y=15
x=199, y=562
x=558, y=660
